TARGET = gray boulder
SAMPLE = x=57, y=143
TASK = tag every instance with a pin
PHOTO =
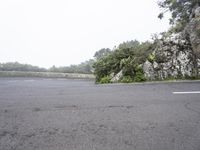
x=117, y=77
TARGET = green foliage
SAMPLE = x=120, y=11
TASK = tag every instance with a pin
x=85, y=68
x=129, y=44
x=151, y=58
x=105, y=80
x=127, y=57
x=102, y=53
x=126, y=79
x=139, y=74
x=181, y=11
x=15, y=66
x=44, y=75
x=103, y=67
x=139, y=77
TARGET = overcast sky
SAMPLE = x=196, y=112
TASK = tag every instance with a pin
x=64, y=32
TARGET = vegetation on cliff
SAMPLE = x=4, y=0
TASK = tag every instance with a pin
x=169, y=55
x=127, y=57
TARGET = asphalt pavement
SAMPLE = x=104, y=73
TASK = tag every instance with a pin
x=63, y=114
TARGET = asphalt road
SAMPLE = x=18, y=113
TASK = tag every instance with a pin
x=58, y=114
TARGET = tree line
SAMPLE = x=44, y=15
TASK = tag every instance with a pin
x=85, y=68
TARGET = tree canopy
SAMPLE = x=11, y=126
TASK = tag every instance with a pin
x=181, y=11
x=102, y=53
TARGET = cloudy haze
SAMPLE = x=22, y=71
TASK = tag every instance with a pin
x=64, y=32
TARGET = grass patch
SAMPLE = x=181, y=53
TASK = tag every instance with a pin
x=45, y=75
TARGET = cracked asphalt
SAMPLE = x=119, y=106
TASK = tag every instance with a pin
x=62, y=114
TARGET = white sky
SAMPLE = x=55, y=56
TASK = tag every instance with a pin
x=64, y=32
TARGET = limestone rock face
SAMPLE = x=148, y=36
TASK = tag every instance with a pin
x=177, y=55
x=193, y=31
x=149, y=71
x=197, y=12
x=173, y=59
x=174, y=55
x=117, y=77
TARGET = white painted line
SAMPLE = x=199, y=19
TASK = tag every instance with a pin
x=189, y=92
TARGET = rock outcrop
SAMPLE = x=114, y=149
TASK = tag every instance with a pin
x=192, y=30
x=117, y=77
x=177, y=56
x=173, y=58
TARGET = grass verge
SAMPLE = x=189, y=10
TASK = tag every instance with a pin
x=45, y=75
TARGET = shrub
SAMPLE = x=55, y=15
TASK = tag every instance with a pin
x=151, y=58
x=105, y=80
x=126, y=79
x=139, y=77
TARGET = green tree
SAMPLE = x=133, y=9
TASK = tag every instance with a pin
x=181, y=11
x=15, y=66
x=102, y=53
x=126, y=58
x=129, y=44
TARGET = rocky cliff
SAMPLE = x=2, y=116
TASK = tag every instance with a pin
x=176, y=55
x=171, y=55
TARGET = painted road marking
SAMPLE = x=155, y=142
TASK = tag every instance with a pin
x=188, y=92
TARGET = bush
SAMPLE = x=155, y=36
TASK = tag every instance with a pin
x=126, y=79
x=126, y=57
x=151, y=58
x=105, y=80
x=139, y=77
